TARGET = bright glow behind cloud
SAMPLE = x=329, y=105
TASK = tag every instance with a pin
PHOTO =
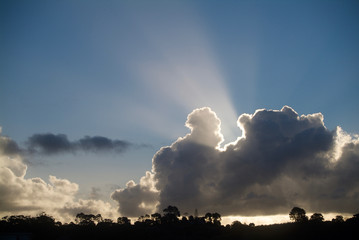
x=342, y=138
x=283, y=161
x=184, y=75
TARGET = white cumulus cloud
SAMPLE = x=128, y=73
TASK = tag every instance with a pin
x=21, y=195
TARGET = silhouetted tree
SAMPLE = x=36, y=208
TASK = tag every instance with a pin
x=18, y=219
x=144, y=218
x=88, y=219
x=171, y=214
x=107, y=220
x=44, y=227
x=208, y=217
x=184, y=219
x=123, y=221
x=297, y=214
x=98, y=218
x=317, y=217
x=156, y=217
x=214, y=218
x=236, y=224
x=105, y=223
x=354, y=219
x=338, y=219
x=172, y=210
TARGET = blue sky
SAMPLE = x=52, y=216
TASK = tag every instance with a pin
x=134, y=70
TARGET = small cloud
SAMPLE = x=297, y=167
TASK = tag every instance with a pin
x=8, y=146
x=49, y=143
x=99, y=143
x=55, y=144
x=137, y=199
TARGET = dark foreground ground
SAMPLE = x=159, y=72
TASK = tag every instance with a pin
x=300, y=231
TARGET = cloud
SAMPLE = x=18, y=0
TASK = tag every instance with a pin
x=21, y=195
x=70, y=209
x=95, y=193
x=99, y=143
x=49, y=143
x=54, y=144
x=282, y=160
x=8, y=146
x=137, y=199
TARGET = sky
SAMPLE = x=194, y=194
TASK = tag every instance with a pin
x=125, y=107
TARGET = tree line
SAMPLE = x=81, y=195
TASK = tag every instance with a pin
x=172, y=224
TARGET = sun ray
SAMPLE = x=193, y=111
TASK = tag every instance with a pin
x=185, y=72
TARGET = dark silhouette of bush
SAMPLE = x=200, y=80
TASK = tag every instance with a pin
x=123, y=221
x=354, y=219
x=297, y=214
x=88, y=219
x=156, y=218
x=317, y=217
x=214, y=218
x=171, y=214
x=338, y=219
x=90, y=226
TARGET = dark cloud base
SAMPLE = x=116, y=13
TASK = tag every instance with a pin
x=283, y=160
